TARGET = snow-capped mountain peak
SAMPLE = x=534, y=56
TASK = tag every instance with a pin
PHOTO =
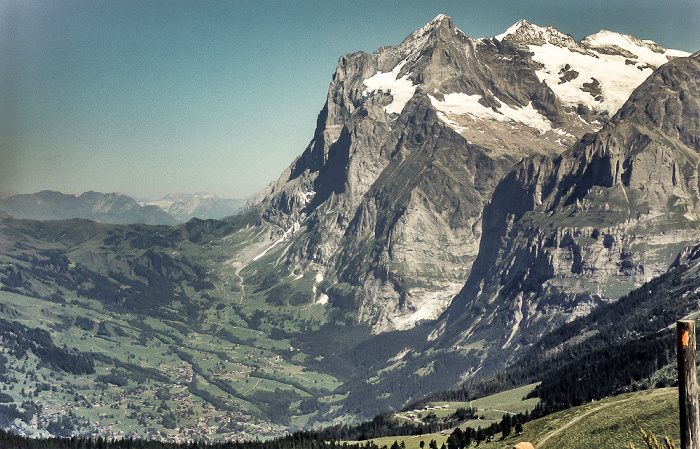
x=440, y=112
x=526, y=33
x=601, y=71
x=441, y=21
x=610, y=42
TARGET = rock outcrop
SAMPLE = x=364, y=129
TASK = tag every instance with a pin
x=562, y=235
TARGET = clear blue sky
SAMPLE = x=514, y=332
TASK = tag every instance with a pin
x=149, y=97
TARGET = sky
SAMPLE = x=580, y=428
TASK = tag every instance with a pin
x=150, y=97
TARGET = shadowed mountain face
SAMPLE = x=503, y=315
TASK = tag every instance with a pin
x=387, y=198
x=562, y=235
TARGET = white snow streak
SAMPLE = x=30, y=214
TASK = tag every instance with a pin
x=463, y=104
x=292, y=229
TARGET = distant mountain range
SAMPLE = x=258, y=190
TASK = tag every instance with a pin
x=184, y=207
x=117, y=208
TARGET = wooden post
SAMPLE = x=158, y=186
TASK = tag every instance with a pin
x=688, y=385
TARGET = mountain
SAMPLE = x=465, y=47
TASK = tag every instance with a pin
x=102, y=207
x=317, y=303
x=117, y=208
x=563, y=235
x=619, y=347
x=385, y=203
x=184, y=207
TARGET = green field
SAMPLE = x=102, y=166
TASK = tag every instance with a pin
x=613, y=422
x=219, y=374
x=490, y=410
x=203, y=321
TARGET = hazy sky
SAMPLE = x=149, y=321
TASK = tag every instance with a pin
x=150, y=97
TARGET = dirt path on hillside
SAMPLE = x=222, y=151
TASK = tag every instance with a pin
x=569, y=424
x=575, y=420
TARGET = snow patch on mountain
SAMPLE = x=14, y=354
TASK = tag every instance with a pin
x=308, y=195
x=462, y=104
x=647, y=51
x=401, y=89
x=290, y=231
x=603, y=77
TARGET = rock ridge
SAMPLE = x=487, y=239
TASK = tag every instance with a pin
x=562, y=235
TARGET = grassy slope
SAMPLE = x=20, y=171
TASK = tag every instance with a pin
x=219, y=347
x=245, y=360
x=252, y=340
x=612, y=422
x=490, y=410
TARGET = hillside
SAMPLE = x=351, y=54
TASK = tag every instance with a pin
x=621, y=421
x=108, y=208
x=613, y=422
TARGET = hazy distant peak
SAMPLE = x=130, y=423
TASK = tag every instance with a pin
x=8, y=193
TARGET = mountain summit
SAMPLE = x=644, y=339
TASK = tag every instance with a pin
x=385, y=203
x=563, y=235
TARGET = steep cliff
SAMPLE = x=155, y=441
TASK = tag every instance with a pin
x=385, y=203
x=562, y=235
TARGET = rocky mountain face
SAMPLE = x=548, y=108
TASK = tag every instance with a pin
x=562, y=235
x=385, y=204
x=413, y=185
